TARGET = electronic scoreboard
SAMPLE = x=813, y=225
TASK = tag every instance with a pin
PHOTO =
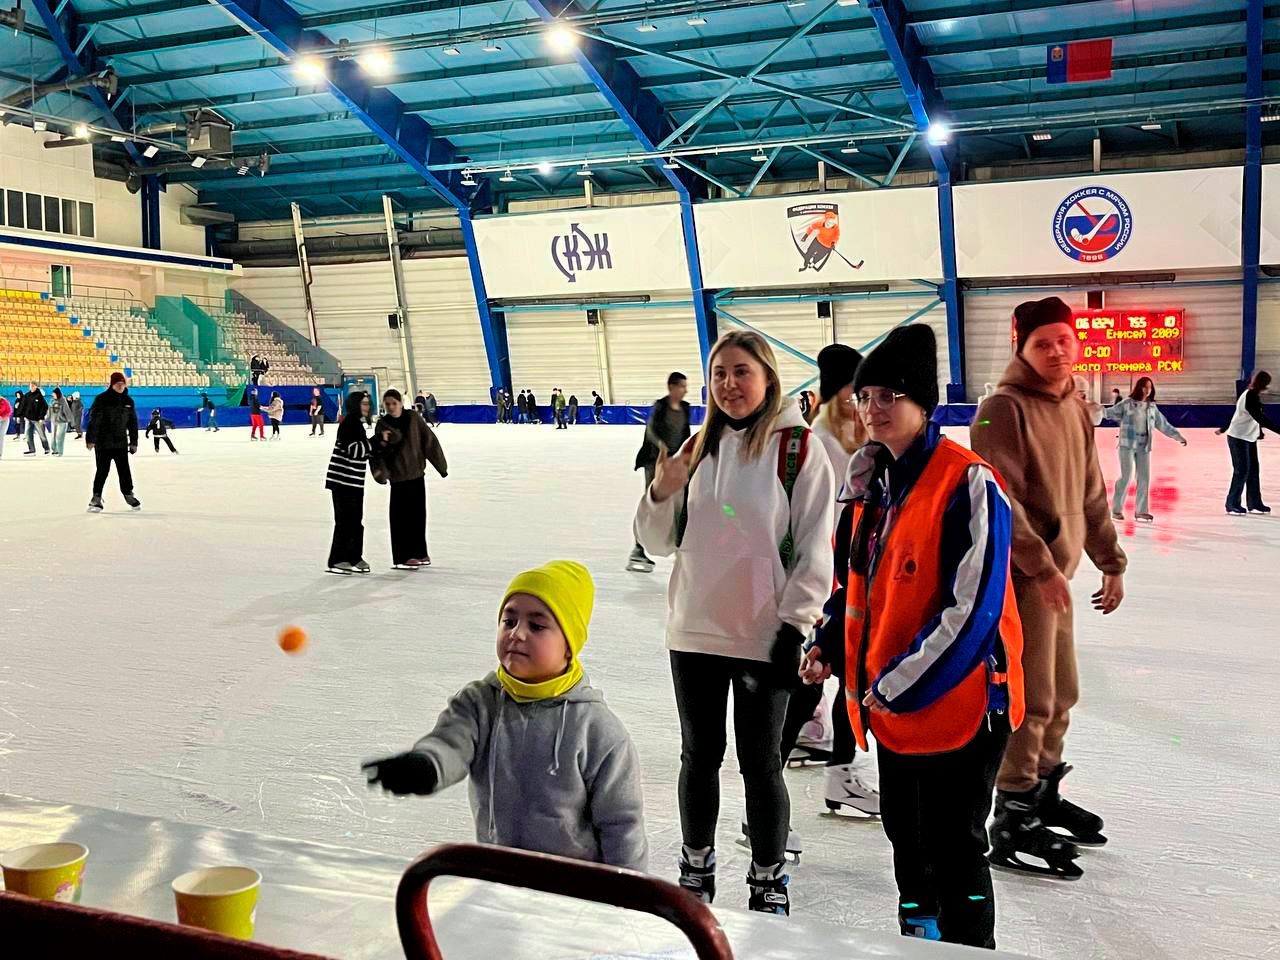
x=1140, y=341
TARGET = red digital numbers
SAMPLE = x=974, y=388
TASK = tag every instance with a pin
x=1130, y=341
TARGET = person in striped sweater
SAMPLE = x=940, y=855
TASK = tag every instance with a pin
x=345, y=481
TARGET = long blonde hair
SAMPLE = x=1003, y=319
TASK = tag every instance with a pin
x=758, y=434
x=835, y=423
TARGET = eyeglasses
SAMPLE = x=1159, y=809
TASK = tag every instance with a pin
x=883, y=399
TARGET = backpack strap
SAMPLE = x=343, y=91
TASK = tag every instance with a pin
x=792, y=453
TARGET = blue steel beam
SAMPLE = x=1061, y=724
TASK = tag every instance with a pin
x=644, y=116
x=1251, y=218
x=408, y=135
x=916, y=79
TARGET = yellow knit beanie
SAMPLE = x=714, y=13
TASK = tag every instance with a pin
x=566, y=588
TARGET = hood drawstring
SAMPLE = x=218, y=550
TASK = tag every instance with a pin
x=554, y=769
x=493, y=766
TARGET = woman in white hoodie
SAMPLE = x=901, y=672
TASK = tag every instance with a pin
x=746, y=507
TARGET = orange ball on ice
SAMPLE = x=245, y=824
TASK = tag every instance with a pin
x=292, y=639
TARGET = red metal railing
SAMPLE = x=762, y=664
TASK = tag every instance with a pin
x=537, y=871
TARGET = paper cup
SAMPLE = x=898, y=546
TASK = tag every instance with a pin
x=221, y=899
x=46, y=871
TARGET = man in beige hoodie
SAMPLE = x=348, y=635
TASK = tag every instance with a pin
x=1036, y=433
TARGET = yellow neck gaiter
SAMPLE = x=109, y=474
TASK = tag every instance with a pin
x=522, y=692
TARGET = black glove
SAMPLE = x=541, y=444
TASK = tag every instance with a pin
x=403, y=774
x=785, y=652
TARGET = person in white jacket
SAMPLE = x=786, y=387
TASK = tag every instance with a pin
x=753, y=567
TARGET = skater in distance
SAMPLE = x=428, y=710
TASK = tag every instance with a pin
x=666, y=429
x=1243, y=434
x=158, y=429
x=929, y=642
x=748, y=516
x=1139, y=419
x=113, y=438
x=552, y=768
x=1039, y=438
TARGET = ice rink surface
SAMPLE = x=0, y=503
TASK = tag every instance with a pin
x=139, y=672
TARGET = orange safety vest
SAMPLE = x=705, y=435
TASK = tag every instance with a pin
x=905, y=592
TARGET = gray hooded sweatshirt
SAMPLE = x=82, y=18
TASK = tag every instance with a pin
x=557, y=776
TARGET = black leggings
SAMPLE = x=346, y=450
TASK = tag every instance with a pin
x=120, y=457
x=348, y=526
x=156, y=440
x=760, y=694
x=275, y=427
x=408, y=517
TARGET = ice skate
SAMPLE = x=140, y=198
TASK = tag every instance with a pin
x=1018, y=832
x=362, y=567
x=1083, y=828
x=95, y=505
x=424, y=562
x=1146, y=518
x=343, y=569
x=408, y=565
x=639, y=561
x=813, y=744
x=1237, y=512
x=846, y=789
x=794, y=846
x=767, y=888
x=1263, y=510
x=1117, y=515
x=698, y=874
x=133, y=501
x=917, y=926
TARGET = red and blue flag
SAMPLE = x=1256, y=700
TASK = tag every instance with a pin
x=1079, y=62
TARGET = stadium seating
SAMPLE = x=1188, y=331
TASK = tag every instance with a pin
x=246, y=338
x=39, y=343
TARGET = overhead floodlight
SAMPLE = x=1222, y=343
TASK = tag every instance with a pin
x=198, y=162
x=310, y=68
x=451, y=51
x=938, y=134
x=81, y=130
x=375, y=62
x=796, y=3
x=646, y=26
x=151, y=151
x=242, y=169
x=507, y=177
x=561, y=39
x=849, y=148
x=1041, y=136
x=467, y=179
x=759, y=156
x=697, y=20
x=492, y=46
x=118, y=138
x=1270, y=117
x=1152, y=125
x=847, y=3
x=39, y=126
x=670, y=164
x=545, y=168
x=584, y=170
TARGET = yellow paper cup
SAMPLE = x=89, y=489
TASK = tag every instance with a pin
x=46, y=871
x=221, y=899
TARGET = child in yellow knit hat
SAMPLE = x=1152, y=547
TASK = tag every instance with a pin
x=552, y=768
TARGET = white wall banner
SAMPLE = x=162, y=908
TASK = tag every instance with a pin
x=820, y=238
x=1270, y=246
x=579, y=252
x=1180, y=219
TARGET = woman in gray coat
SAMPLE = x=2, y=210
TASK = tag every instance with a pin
x=60, y=411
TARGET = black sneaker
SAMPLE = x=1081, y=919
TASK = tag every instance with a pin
x=769, y=894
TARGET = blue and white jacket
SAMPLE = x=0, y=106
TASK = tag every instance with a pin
x=1130, y=413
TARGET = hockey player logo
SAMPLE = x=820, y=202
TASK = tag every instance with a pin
x=815, y=229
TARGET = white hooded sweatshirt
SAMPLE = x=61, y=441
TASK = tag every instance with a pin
x=729, y=592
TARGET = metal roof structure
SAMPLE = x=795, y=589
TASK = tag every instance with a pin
x=464, y=103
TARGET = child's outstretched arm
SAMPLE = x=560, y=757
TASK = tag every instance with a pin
x=617, y=803
x=441, y=758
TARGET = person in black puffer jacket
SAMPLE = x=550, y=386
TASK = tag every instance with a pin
x=34, y=409
x=113, y=436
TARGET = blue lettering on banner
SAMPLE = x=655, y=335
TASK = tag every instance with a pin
x=568, y=252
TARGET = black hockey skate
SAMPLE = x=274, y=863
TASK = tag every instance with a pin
x=133, y=501
x=1018, y=831
x=1083, y=828
x=768, y=894
x=698, y=875
x=639, y=561
x=95, y=505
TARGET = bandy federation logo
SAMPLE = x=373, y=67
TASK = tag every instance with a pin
x=1093, y=224
x=568, y=252
x=815, y=229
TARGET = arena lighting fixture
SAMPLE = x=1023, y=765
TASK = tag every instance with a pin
x=117, y=138
x=198, y=162
x=670, y=164
x=796, y=3
x=151, y=151
x=646, y=26
x=310, y=68
x=1041, y=136
x=507, y=177
x=849, y=148
x=492, y=46
x=375, y=62
x=1152, y=125
x=584, y=170
x=242, y=169
x=39, y=126
x=697, y=20
x=561, y=38
x=1270, y=117
x=847, y=3
x=759, y=156
x=451, y=51
x=467, y=179
x=938, y=134
x=545, y=168
x=81, y=130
